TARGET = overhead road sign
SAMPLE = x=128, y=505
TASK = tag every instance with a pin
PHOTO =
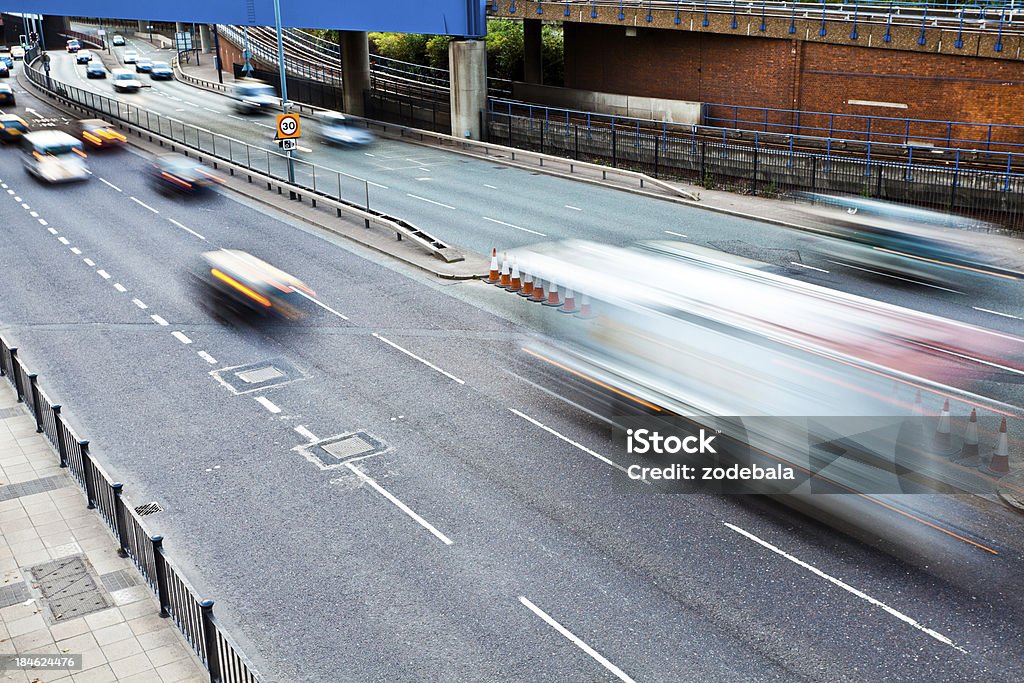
x=447, y=17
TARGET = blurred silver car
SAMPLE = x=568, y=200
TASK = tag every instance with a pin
x=338, y=130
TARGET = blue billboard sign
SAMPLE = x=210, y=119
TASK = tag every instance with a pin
x=448, y=17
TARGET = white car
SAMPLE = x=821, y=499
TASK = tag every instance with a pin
x=126, y=81
x=118, y=40
x=54, y=156
x=131, y=56
x=17, y=52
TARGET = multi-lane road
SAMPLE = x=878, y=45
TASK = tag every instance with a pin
x=490, y=534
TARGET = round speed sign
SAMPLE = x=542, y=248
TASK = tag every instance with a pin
x=288, y=126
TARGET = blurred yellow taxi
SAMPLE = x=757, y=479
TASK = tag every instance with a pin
x=12, y=128
x=99, y=134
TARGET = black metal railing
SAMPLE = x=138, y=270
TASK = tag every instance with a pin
x=178, y=599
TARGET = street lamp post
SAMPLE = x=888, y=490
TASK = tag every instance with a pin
x=150, y=27
x=285, y=104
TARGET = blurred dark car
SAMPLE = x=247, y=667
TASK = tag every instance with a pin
x=5, y=71
x=12, y=127
x=95, y=70
x=161, y=71
x=182, y=174
x=237, y=282
x=99, y=134
x=83, y=57
x=143, y=65
x=7, y=94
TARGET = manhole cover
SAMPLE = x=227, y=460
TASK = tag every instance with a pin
x=258, y=376
x=148, y=509
x=69, y=588
x=14, y=594
x=335, y=451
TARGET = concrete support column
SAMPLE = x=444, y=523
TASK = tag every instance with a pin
x=142, y=26
x=205, y=38
x=533, y=51
x=467, y=61
x=355, y=69
x=179, y=27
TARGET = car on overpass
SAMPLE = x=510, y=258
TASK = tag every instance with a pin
x=5, y=71
x=338, y=130
x=161, y=71
x=118, y=39
x=143, y=65
x=95, y=70
x=126, y=81
x=7, y=94
x=54, y=156
x=253, y=96
x=83, y=57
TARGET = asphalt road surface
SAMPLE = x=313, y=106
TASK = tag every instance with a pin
x=491, y=536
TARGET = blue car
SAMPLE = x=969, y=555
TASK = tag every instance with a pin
x=7, y=59
x=95, y=70
x=161, y=71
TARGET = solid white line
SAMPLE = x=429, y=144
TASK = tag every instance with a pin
x=138, y=302
x=490, y=186
x=180, y=336
x=399, y=504
x=431, y=201
x=320, y=304
x=89, y=262
x=677, y=234
x=509, y=225
x=144, y=204
x=306, y=433
x=207, y=357
x=804, y=265
x=63, y=240
x=42, y=222
x=215, y=111
x=847, y=587
x=109, y=184
x=988, y=310
x=159, y=321
x=76, y=251
x=383, y=187
x=268, y=404
x=186, y=229
x=422, y=360
x=574, y=208
x=51, y=231
x=569, y=441
x=103, y=274
x=896, y=277
x=232, y=116
x=119, y=287
x=619, y=673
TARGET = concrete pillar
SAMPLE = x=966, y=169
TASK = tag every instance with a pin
x=467, y=61
x=142, y=26
x=179, y=27
x=355, y=70
x=205, y=38
x=533, y=51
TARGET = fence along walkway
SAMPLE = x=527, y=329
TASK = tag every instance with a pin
x=178, y=600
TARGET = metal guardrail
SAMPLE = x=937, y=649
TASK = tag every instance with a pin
x=318, y=182
x=178, y=599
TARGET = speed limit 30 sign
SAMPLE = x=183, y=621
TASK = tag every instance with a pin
x=288, y=126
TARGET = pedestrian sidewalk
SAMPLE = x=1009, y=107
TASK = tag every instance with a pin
x=63, y=588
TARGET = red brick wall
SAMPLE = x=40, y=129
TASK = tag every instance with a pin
x=788, y=74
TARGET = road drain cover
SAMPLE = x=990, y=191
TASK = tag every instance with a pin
x=335, y=451
x=148, y=509
x=69, y=588
x=258, y=376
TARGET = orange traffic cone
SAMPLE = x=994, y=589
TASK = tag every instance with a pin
x=493, y=276
x=553, y=299
x=585, y=311
x=570, y=302
x=506, y=272
x=515, y=279
x=538, y=291
x=942, y=443
x=999, y=465
x=969, y=456
x=527, y=289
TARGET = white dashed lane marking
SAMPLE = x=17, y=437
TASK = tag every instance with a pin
x=89, y=262
x=63, y=240
x=138, y=302
x=76, y=251
x=144, y=205
x=119, y=287
x=207, y=357
x=110, y=185
x=103, y=274
x=268, y=404
x=180, y=336
x=159, y=321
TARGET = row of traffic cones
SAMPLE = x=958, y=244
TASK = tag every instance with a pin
x=508, y=277
x=968, y=454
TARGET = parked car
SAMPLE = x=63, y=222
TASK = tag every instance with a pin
x=6, y=94
x=126, y=81
x=95, y=70
x=337, y=130
x=18, y=52
x=54, y=156
x=83, y=57
x=161, y=71
x=131, y=56
x=73, y=45
x=253, y=96
x=12, y=128
x=143, y=65
x=182, y=174
x=118, y=39
x=99, y=134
